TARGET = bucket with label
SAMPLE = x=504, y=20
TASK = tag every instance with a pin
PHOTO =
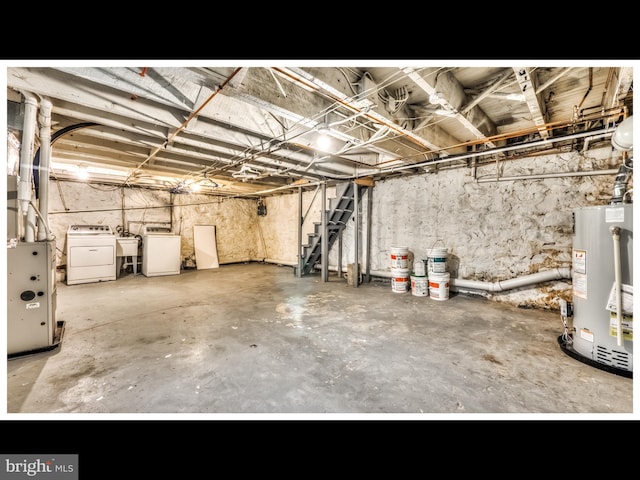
x=400, y=280
x=439, y=286
x=419, y=269
x=419, y=286
x=437, y=260
x=399, y=257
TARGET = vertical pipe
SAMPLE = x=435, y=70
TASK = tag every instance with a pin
x=356, y=235
x=365, y=241
x=300, y=222
x=324, y=239
x=368, y=249
x=615, y=233
x=340, y=252
x=45, y=161
x=26, y=164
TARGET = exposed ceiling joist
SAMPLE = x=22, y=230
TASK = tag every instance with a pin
x=527, y=81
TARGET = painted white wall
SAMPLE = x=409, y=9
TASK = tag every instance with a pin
x=493, y=231
x=132, y=208
x=278, y=230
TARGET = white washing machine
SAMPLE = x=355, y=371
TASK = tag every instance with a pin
x=160, y=252
x=91, y=254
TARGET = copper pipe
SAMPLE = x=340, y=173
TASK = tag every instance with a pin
x=184, y=124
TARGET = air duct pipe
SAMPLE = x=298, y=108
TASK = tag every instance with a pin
x=622, y=140
x=26, y=163
x=621, y=182
x=45, y=162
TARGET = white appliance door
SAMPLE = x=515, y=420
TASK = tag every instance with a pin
x=91, y=256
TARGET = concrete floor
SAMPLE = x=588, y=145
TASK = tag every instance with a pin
x=255, y=339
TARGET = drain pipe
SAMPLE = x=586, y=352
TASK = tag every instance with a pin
x=45, y=161
x=540, y=277
x=26, y=156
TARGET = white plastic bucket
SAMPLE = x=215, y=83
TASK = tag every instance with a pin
x=399, y=257
x=400, y=280
x=419, y=269
x=439, y=286
x=419, y=286
x=437, y=260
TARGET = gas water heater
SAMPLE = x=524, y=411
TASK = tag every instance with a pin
x=602, y=276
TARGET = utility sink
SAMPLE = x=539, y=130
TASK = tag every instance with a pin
x=127, y=246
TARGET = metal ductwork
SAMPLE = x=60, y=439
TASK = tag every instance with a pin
x=622, y=140
x=622, y=180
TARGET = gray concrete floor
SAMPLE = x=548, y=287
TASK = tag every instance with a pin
x=255, y=339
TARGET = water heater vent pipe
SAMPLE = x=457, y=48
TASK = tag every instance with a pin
x=26, y=158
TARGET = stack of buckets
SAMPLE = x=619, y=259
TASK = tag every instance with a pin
x=437, y=274
x=419, y=281
x=399, y=269
x=432, y=278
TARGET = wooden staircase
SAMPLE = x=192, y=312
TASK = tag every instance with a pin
x=341, y=208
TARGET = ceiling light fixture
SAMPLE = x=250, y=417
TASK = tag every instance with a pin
x=443, y=112
x=437, y=98
x=246, y=173
x=324, y=137
x=82, y=172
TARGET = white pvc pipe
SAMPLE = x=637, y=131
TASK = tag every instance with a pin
x=26, y=165
x=615, y=233
x=540, y=277
x=45, y=162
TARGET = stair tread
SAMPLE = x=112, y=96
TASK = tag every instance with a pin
x=336, y=220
